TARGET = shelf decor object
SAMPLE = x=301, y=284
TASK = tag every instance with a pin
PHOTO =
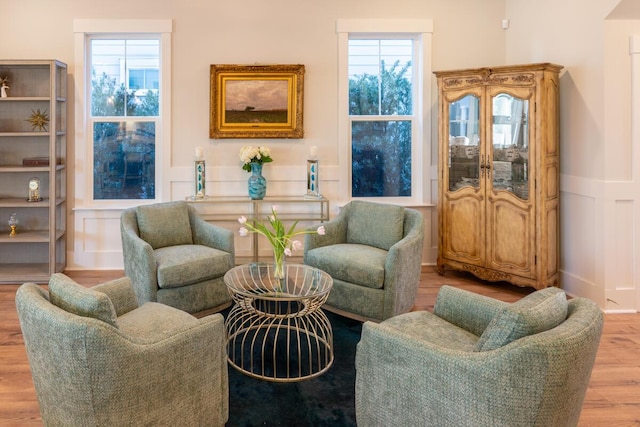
x=199, y=175
x=4, y=86
x=498, y=173
x=256, y=101
x=13, y=223
x=39, y=119
x=33, y=129
x=34, y=190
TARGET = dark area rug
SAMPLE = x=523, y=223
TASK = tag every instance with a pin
x=328, y=400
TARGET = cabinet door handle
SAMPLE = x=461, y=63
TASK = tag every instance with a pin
x=484, y=166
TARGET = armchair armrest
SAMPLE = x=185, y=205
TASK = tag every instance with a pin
x=403, y=266
x=467, y=310
x=335, y=232
x=207, y=234
x=139, y=264
x=120, y=292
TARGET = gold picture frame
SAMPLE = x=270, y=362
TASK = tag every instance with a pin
x=256, y=101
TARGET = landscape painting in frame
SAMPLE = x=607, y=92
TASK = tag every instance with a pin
x=256, y=101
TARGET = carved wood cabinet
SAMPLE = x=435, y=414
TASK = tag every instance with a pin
x=498, y=210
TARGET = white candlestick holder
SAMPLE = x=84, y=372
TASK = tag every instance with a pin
x=313, y=188
x=199, y=179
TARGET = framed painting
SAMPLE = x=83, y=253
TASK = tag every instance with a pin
x=256, y=101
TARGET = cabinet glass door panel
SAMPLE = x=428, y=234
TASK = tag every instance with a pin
x=510, y=137
x=464, y=142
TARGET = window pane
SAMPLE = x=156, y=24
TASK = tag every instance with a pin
x=115, y=94
x=136, y=79
x=396, y=97
x=381, y=159
x=152, y=79
x=464, y=143
x=380, y=77
x=124, y=160
x=363, y=95
x=510, y=137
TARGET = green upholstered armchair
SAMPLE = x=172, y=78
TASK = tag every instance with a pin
x=476, y=361
x=99, y=359
x=373, y=252
x=175, y=257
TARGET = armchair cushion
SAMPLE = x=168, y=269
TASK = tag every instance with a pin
x=153, y=322
x=164, y=225
x=535, y=313
x=81, y=301
x=421, y=326
x=121, y=294
x=185, y=265
x=379, y=225
x=467, y=310
x=353, y=263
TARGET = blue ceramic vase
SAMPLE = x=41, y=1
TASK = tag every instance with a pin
x=257, y=183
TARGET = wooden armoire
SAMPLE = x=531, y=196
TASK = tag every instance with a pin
x=498, y=173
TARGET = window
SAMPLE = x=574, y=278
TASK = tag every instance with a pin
x=123, y=118
x=380, y=111
x=125, y=76
x=382, y=131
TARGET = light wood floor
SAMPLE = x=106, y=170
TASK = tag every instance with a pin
x=613, y=397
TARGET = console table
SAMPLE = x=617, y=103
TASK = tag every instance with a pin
x=291, y=208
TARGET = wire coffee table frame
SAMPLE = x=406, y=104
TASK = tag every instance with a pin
x=276, y=330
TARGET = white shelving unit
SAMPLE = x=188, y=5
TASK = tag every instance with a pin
x=39, y=247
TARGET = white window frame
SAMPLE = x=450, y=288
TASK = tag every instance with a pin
x=420, y=30
x=121, y=28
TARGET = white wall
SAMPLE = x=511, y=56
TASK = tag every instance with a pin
x=467, y=33
x=599, y=199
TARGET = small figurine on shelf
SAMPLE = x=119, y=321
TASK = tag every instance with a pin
x=13, y=223
x=4, y=86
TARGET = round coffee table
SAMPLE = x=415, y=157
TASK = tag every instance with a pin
x=276, y=330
